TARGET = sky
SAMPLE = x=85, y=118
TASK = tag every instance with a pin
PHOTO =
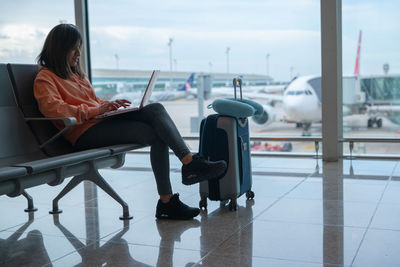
x=133, y=34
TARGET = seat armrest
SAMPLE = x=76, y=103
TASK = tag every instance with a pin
x=68, y=122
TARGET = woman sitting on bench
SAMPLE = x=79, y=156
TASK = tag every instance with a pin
x=62, y=90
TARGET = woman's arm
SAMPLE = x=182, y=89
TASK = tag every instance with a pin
x=51, y=104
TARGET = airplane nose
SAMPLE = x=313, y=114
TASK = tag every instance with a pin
x=300, y=108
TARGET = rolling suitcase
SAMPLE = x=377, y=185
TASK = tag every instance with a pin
x=226, y=138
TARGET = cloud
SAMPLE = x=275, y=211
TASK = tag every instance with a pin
x=21, y=41
x=289, y=30
x=146, y=47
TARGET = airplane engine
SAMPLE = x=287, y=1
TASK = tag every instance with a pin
x=266, y=118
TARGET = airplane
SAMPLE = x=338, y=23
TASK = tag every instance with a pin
x=180, y=93
x=301, y=101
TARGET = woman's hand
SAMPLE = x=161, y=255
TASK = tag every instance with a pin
x=113, y=105
x=108, y=106
x=123, y=102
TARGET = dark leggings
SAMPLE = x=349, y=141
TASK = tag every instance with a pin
x=152, y=126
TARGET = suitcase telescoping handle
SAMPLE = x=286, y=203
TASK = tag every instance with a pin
x=239, y=81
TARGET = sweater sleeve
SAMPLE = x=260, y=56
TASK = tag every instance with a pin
x=51, y=104
x=93, y=94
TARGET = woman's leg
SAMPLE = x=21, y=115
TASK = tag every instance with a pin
x=123, y=131
x=153, y=126
x=193, y=171
x=155, y=115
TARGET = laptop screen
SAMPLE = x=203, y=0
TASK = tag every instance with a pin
x=150, y=87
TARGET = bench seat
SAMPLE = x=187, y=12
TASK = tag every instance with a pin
x=7, y=173
x=32, y=154
x=57, y=162
x=117, y=149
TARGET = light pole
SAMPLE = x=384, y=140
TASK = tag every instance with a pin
x=227, y=59
x=267, y=62
x=210, y=65
x=176, y=64
x=291, y=72
x=170, y=60
x=117, y=60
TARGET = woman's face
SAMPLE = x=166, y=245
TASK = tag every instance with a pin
x=73, y=55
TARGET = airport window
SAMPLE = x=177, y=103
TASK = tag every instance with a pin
x=25, y=24
x=272, y=54
x=257, y=41
x=371, y=70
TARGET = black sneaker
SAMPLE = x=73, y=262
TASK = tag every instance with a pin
x=201, y=169
x=175, y=210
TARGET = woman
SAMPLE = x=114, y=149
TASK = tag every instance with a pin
x=62, y=90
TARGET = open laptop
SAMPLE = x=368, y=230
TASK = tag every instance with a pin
x=143, y=102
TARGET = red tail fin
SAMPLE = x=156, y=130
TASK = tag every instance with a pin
x=357, y=66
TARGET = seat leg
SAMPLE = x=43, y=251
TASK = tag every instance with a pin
x=96, y=178
x=30, y=208
x=71, y=185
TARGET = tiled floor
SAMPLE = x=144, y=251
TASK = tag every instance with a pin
x=305, y=213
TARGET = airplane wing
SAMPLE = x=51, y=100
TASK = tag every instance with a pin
x=269, y=98
x=264, y=96
x=157, y=96
x=135, y=97
x=168, y=96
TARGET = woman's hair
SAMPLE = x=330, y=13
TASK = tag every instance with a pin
x=59, y=42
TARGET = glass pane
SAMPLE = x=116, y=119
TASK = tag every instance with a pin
x=24, y=25
x=265, y=43
x=371, y=70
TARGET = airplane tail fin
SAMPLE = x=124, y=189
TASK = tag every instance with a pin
x=188, y=84
x=357, y=66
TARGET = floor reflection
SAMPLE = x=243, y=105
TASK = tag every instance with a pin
x=114, y=252
x=309, y=214
x=28, y=251
x=240, y=245
x=169, y=237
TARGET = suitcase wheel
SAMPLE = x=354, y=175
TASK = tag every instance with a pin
x=233, y=205
x=203, y=203
x=249, y=194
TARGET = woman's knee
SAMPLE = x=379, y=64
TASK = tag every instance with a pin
x=155, y=108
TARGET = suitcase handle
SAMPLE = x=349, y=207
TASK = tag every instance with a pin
x=235, y=81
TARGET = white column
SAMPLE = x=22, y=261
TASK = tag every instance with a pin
x=331, y=68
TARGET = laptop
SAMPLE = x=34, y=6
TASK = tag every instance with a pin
x=143, y=102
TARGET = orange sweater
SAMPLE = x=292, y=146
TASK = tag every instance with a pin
x=72, y=97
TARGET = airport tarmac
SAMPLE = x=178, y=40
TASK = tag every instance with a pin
x=354, y=126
